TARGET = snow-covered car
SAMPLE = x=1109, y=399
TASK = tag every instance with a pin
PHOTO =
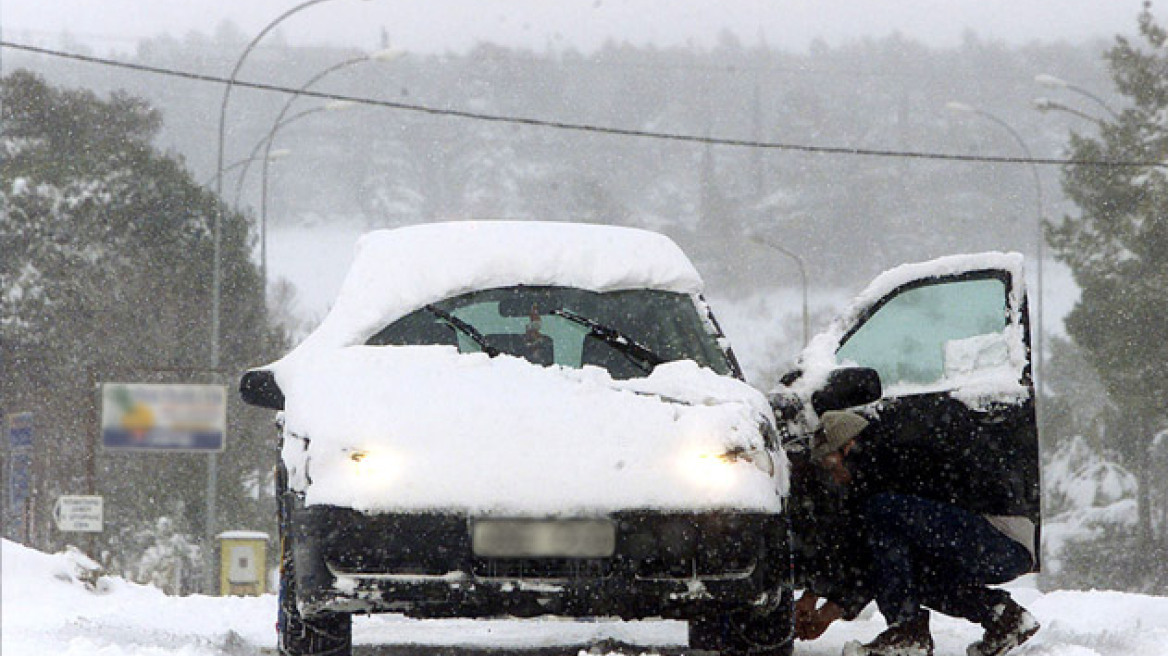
x=936, y=355
x=522, y=419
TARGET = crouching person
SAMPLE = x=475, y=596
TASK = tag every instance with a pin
x=920, y=553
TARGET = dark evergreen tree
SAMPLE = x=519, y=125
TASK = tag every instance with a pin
x=106, y=253
x=1115, y=247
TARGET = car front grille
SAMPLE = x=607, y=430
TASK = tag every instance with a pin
x=543, y=569
x=655, y=545
x=423, y=544
x=649, y=545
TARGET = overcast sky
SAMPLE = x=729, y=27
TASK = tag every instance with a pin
x=424, y=26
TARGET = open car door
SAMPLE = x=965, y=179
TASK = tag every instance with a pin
x=949, y=340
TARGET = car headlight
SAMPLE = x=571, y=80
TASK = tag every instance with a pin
x=758, y=457
x=708, y=470
x=373, y=467
x=721, y=470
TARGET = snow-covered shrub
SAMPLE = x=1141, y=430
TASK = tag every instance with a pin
x=153, y=552
x=73, y=566
x=1090, y=507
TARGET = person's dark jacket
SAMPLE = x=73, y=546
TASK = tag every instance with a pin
x=829, y=537
x=828, y=541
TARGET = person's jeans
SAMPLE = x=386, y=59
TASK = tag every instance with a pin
x=928, y=553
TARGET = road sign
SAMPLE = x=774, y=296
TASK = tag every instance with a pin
x=20, y=430
x=153, y=417
x=19, y=480
x=78, y=514
x=19, y=437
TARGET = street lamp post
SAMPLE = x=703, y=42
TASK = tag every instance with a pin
x=381, y=55
x=759, y=239
x=337, y=105
x=217, y=282
x=217, y=276
x=1038, y=340
x=1052, y=82
x=243, y=163
x=1047, y=105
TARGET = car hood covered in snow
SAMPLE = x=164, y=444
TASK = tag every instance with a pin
x=417, y=428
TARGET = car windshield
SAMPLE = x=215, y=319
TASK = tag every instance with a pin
x=543, y=326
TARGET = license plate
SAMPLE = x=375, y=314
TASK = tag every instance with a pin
x=540, y=538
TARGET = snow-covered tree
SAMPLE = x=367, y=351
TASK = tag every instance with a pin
x=172, y=562
x=105, y=266
x=1115, y=247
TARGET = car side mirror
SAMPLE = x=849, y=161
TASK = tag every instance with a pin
x=847, y=388
x=258, y=387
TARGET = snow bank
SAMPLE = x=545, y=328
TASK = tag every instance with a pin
x=48, y=610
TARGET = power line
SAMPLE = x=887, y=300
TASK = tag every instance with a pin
x=583, y=127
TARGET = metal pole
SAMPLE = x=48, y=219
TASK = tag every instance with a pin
x=264, y=189
x=383, y=55
x=217, y=281
x=211, y=577
x=1054, y=82
x=802, y=277
x=1041, y=238
x=1047, y=105
x=217, y=274
x=1037, y=342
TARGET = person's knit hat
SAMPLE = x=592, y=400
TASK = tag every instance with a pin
x=838, y=428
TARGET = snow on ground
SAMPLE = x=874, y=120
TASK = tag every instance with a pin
x=48, y=609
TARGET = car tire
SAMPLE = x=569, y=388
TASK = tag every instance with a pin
x=327, y=634
x=746, y=632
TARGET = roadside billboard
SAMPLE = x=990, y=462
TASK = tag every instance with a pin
x=163, y=417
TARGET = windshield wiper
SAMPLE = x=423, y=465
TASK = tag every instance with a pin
x=464, y=328
x=642, y=357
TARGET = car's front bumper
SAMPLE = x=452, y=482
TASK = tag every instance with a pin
x=663, y=565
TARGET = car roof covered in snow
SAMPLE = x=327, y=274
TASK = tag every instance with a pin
x=395, y=272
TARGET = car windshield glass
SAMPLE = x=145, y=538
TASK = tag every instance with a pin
x=523, y=321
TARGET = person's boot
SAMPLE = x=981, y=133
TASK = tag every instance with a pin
x=910, y=638
x=1010, y=626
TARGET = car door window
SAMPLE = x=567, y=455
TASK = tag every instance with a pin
x=927, y=332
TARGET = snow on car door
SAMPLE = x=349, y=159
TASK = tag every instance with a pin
x=950, y=342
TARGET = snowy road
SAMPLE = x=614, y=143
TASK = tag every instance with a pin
x=605, y=648
x=47, y=611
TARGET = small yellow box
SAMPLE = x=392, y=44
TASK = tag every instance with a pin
x=242, y=563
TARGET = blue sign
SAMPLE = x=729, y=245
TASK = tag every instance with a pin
x=20, y=430
x=19, y=480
